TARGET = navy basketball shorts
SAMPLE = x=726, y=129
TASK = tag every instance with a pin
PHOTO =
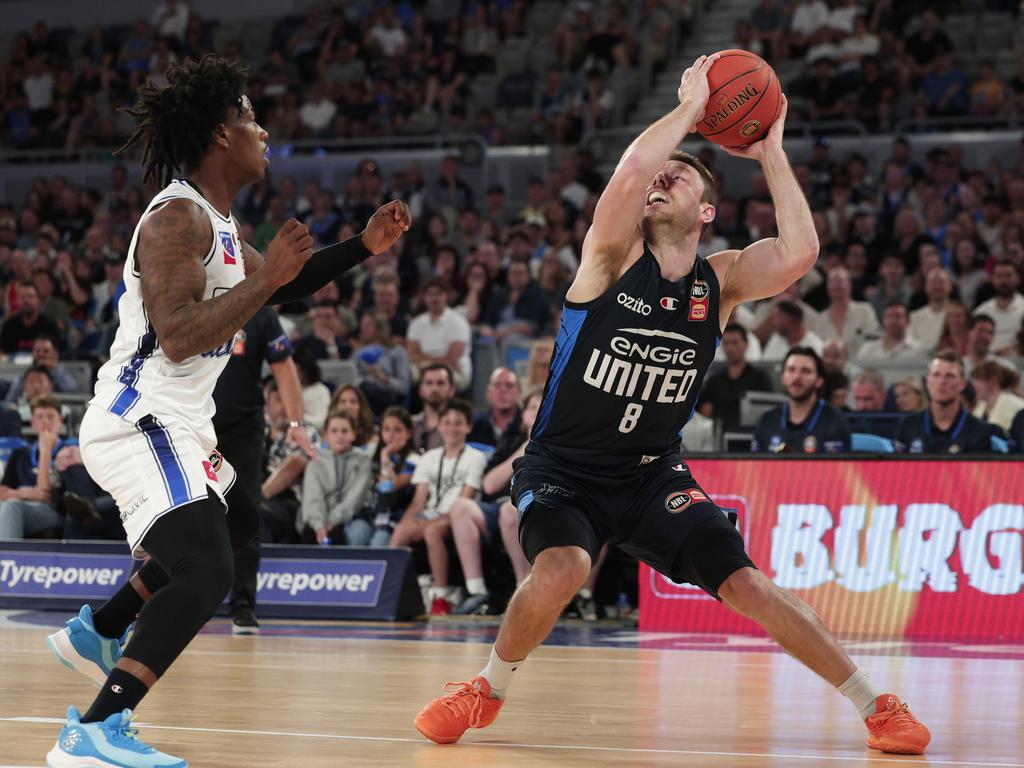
x=658, y=513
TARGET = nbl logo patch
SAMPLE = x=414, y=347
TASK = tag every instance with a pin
x=679, y=500
x=227, y=240
x=699, y=294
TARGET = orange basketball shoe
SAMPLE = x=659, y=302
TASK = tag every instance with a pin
x=467, y=705
x=893, y=729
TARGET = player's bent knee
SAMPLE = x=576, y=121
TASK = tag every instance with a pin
x=461, y=508
x=746, y=590
x=561, y=571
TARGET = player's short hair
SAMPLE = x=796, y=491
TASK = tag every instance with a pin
x=175, y=123
x=736, y=328
x=951, y=356
x=819, y=364
x=710, y=195
x=459, y=405
x=45, y=401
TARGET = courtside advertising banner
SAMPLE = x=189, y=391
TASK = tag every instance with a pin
x=299, y=582
x=923, y=550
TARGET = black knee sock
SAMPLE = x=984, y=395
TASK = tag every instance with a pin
x=121, y=691
x=113, y=617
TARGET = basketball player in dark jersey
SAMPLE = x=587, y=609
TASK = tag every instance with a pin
x=640, y=327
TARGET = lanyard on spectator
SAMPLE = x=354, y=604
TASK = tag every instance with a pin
x=956, y=429
x=811, y=422
x=451, y=477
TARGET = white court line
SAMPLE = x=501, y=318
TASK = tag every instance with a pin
x=510, y=745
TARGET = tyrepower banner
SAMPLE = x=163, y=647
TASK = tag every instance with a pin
x=293, y=582
x=925, y=550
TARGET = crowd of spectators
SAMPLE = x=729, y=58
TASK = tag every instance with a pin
x=881, y=62
x=351, y=70
x=919, y=272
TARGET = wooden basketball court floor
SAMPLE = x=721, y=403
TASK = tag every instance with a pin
x=312, y=695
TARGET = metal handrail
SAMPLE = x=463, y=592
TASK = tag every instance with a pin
x=968, y=122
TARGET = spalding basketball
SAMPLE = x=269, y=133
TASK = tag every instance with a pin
x=745, y=100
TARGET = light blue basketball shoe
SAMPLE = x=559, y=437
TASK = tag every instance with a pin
x=110, y=744
x=80, y=647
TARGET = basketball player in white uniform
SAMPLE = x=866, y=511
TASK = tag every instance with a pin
x=147, y=436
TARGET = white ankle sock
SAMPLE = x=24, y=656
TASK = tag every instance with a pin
x=443, y=592
x=859, y=690
x=498, y=673
x=476, y=586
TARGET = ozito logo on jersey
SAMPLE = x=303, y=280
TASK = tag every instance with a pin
x=639, y=306
x=669, y=302
x=227, y=240
x=699, y=294
x=678, y=501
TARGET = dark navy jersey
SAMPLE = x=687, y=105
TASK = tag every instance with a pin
x=917, y=433
x=823, y=431
x=628, y=368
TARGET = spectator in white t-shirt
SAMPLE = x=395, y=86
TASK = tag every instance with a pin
x=926, y=323
x=790, y=331
x=170, y=19
x=895, y=344
x=1006, y=308
x=318, y=112
x=852, y=321
x=979, y=344
x=808, y=18
x=442, y=475
x=440, y=335
x=387, y=34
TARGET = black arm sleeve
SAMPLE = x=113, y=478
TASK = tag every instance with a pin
x=323, y=266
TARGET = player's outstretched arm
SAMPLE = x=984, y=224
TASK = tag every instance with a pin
x=388, y=223
x=768, y=266
x=173, y=242
x=615, y=232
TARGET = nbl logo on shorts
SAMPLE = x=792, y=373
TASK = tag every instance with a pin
x=679, y=500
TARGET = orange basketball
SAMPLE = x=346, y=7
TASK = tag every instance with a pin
x=745, y=100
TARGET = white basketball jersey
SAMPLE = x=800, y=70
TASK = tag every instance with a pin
x=139, y=379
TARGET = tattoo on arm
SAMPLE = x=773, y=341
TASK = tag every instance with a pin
x=173, y=242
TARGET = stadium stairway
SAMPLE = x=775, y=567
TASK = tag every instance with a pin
x=714, y=33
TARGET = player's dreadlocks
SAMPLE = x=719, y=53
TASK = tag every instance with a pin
x=175, y=123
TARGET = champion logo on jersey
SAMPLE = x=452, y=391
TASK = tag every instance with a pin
x=227, y=240
x=669, y=302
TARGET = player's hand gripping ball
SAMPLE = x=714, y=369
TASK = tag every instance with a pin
x=745, y=100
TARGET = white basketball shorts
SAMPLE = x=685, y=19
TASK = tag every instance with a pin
x=150, y=466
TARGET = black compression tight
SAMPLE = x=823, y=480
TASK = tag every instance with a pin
x=192, y=547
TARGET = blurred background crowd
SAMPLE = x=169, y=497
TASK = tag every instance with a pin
x=913, y=309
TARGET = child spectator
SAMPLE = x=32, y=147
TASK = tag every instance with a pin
x=392, y=468
x=351, y=401
x=334, y=488
x=442, y=475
